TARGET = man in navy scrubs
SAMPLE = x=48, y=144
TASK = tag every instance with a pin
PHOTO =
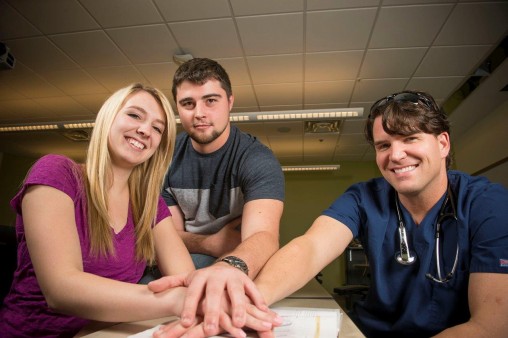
x=436, y=239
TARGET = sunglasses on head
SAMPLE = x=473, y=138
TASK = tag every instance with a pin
x=414, y=98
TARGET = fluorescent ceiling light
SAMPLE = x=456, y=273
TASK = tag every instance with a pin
x=37, y=127
x=295, y=115
x=288, y=115
x=300, y=168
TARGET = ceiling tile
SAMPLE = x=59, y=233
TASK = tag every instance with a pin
x=114, y=78
x=281, y=107
x=237, y=71
x=283, y=128
x=332, y=30
x=92, y=102
x=320, y=145
x=160, y=47
x=440, y=88
x=90, y=49
x=334, y=4
x=352, y=139
x=120, y=13
x=203, y=38
x=21, y=111
x=279, y=94
x=160, y=75
x=328, y=92
x=413, y=2
x=353, y=126
x=332, y=65
x=326, y=105
x=27, y=83
x=451, y=61
x=478, y=23
x=276, y=68
x=395, y=63
x=245, y=109
x=350, y=149
x=272, y=34
x=13, y=25
x=47, y=15
x=177, y=10
x=254, y=129
x=286, y=145
x=48, y=56
x=372, y=90
x=63, y=107
x=365, y=105
x=427, y=19
x=242, y=7
x=341, y=158
x=244, y=96
x=74, y=82
x=7, y=93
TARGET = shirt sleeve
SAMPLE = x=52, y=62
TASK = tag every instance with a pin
x=162, y=210
x=54, y=171
x=346, y=208
x=262, y=176
x=489, y=230
x=166, y=191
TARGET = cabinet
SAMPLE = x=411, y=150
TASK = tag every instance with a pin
x=357, y=277
x=357, y=266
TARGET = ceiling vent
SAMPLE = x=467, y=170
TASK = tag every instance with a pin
x=322, y=127
x=77, y=135
x=7, y=60
x=182, y=58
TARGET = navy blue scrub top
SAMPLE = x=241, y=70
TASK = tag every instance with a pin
x=402, y=301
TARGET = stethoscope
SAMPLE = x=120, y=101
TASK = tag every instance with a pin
x=405, y=257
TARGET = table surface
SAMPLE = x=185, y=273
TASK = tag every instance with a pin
x=312, y=295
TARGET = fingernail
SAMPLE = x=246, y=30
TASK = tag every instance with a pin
x=186, y=320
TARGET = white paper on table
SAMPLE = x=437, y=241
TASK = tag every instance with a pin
x=297, y=323
x=308, y=322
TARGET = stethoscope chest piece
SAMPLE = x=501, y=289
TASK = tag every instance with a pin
x=404, y=256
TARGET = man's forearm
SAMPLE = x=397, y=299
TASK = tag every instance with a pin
x=472, y=330
x=256, y=250
x=197, y=243
x=294, y=264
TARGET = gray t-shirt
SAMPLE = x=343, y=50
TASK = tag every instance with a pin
x=211, y=189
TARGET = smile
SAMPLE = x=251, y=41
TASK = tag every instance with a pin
x=136, y=144
x=405, y=169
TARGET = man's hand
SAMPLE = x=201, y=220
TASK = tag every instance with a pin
x=213, y=284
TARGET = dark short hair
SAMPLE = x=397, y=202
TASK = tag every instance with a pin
x=406, y=113
x=199, y=71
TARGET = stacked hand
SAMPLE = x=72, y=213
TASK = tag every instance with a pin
x=219, y=298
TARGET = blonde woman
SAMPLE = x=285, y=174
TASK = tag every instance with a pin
x=86, y=232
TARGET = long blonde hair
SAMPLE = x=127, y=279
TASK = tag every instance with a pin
x=145, y=181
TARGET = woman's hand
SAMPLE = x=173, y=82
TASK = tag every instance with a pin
x=214, y=283
x=259, y=321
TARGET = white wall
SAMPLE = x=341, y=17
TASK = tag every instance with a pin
x=485, y=144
